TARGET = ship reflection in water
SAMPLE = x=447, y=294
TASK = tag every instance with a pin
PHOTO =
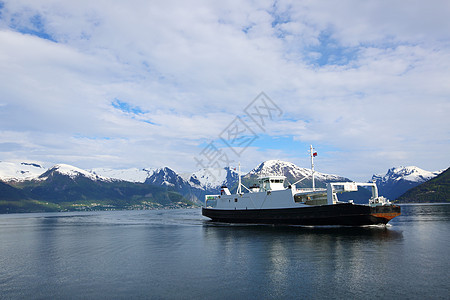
x=304, y=260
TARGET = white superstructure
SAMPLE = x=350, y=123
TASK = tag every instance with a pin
x=273, y=192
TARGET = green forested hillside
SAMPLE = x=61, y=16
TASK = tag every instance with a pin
x=10, y=193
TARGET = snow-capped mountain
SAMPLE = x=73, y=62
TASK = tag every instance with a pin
x=131, y=175
x=205, y=179
x=194, y=186
x=70, y=171
x=292, y=172
x=20, y=171
x=213, y=178
x=166, y=176
x=398, y=180
x=191, y=189
x=410, y=173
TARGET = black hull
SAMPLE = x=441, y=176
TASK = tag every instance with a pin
x=337, y=214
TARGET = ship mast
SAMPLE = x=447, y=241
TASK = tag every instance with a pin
x=239, y=190
x=311, y=152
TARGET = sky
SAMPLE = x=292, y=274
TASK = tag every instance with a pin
x=186, y=84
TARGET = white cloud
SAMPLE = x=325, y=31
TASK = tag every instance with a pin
x=192, y=67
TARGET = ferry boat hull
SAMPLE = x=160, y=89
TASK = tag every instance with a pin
x=347, y=214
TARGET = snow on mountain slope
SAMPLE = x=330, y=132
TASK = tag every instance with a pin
x=72, y=172
x=410, y=173
x=131, y=175
x=20, y=171
x=213, y=178
x=204, y=179
x=290, y=170
x=400, y=179
x=166, y=176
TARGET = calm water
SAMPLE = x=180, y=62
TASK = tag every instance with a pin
x=178, y=254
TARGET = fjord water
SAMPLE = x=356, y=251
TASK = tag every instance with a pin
x=178, y=254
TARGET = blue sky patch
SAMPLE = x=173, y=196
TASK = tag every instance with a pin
x=127, y=107
x=136, y=112
x=149, y=122
x=94, y=138
x=1, y=8
x=330, y=52
x=37, y=27
x=279, y=18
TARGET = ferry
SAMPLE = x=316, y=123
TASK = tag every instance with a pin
x=274, y=201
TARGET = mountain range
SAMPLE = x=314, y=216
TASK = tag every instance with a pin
x=64, y=187
x=28, y=186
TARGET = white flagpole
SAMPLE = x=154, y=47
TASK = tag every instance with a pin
x=239, y=186
x=311, y=150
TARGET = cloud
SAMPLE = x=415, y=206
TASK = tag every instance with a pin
x=112, y=83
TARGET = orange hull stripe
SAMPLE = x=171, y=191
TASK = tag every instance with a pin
x=388, y=216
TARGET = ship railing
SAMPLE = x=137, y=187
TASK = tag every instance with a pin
x=311, y=190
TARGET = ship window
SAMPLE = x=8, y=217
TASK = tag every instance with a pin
x=276, y=180
x=235, y=199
